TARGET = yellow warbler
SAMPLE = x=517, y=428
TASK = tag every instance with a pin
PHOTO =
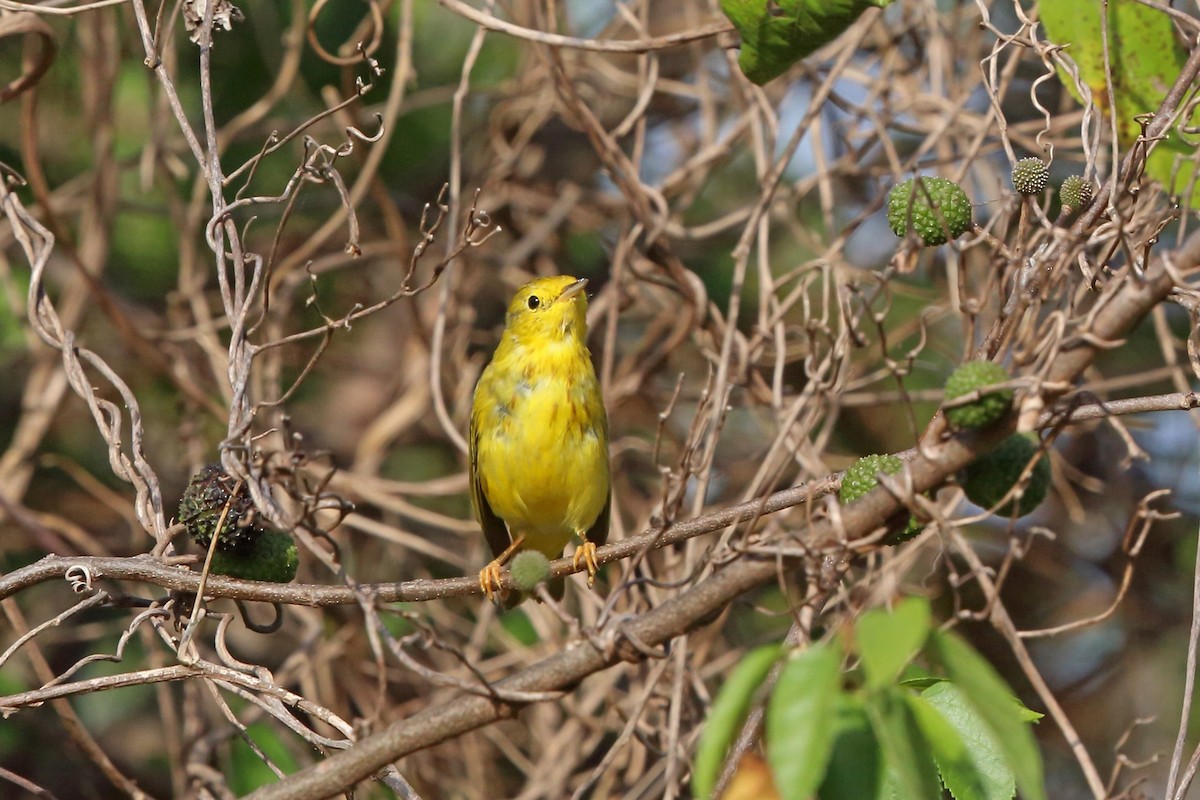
x=539, y=435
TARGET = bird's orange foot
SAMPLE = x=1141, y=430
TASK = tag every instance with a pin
x=489, y=580
x=586, y=553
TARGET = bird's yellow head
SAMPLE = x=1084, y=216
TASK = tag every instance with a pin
x=554, y=308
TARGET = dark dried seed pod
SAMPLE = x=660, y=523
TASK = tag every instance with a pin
x=204, y=501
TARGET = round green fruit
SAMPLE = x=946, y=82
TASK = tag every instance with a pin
x=990, y=477
x=937, y=209
x=272, y=557
x=1075, y=194
x=862, y=477
x=991, y=406
x=1029, y=175
x=529, y=568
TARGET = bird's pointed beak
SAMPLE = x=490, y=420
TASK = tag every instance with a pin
x=575, y=288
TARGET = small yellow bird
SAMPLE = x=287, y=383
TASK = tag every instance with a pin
x=539, y=434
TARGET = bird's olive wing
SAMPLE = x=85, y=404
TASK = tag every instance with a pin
x=598, y=533
x=493, y=527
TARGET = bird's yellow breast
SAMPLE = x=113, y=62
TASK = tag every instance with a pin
x=542, y=448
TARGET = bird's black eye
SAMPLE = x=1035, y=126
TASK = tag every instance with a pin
x=534, y=302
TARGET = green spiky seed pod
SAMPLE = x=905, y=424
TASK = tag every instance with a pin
x=990, y=477
x=270, y=557
x=990, y=407
x=204, y=501
x=1029, y=175
x=936, y=208
x=861, y=478
x=1075, y=194
x=529, y=568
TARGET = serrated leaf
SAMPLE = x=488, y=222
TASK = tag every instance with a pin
x=1145, y=60
x=960, y=774
x=985, y=753
x=727, y=714
x=855, y=769
x=799, y=736
x=988, y=695
x=1026, y=714
x=887, y=641
x=777, y=34
x=910, y=771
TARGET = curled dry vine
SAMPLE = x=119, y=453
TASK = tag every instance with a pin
x=329, y=299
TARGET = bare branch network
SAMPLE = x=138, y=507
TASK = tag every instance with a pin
x=282, y=239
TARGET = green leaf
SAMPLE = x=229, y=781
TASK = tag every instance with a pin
x=777, y=34
x=986, y=756
x=1145, y=61
x=888, y=641
x=246, y=770
x=855, y=768
x=799, y=736
x=516, y=623
x=911, y=772
x=728, y=712
x=959, y=772
x=987, y=694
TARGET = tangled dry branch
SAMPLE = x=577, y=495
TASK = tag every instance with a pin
x=329, y=299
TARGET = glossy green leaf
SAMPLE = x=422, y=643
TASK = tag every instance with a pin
x=855, y=770
x=990, y=770
x=777, y=34
x=887, y=641
x=1145, y=60
x=728, y=712
x=799, y=734
x=987, y=694
x=955, y=764
x=909, y=768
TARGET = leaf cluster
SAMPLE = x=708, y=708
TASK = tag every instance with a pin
x=884, y=728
